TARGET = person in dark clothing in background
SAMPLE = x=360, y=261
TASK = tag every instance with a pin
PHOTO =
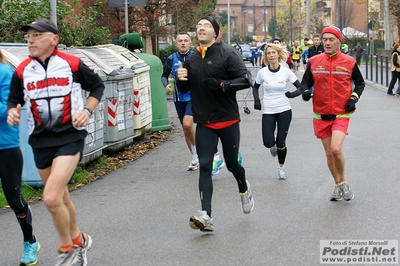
x=395, y=68
x=358, y=51
x=317, y=48
x=238, y=47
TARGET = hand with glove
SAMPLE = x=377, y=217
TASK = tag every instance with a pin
x=306, y=95
x=350, y=105
x=293, y=94
x=289, y=94
x=257, y=104
x=212, y=84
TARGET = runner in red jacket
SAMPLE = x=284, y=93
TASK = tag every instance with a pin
x=333, y=74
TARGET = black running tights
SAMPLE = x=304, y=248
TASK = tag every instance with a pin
x=11, y=163
x=269, y=123
x=206, y=143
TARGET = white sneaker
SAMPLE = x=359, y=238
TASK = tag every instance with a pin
x=202, y=222
x=281, y=173
x=194, y=163
x=247, y=200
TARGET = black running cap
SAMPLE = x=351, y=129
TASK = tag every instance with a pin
x=41, y=25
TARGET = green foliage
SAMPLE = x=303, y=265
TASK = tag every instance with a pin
x=378, y=44
x=80, y=28
x=3, y=201
x=164, y=53
x=14, y=14
x=224, y=18
x=189, y=12
x=77, y=27
x=79, y=175
x=271, y=24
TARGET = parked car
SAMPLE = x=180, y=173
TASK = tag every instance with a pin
x=246, y=53
x=163, y=45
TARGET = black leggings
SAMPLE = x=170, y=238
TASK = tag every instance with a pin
x=395, y=77
x=206, y=143
x=11, y=163
x=269, y=123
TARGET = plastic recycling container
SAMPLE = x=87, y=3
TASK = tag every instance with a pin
x=159, y=97
x=30, y=174
x=142, y=101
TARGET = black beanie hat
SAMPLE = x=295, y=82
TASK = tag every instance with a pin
x=214, y=23
x=276, y=39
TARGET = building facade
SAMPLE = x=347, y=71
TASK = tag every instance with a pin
x=251, y=17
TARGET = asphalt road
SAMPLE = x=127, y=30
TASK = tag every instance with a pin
x=138, y=215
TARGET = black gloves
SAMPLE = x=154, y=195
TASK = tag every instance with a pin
x=350, y=105
x=257, y=104
x=293, y=94
x=306, y=95
x=289, y=94
x=212, y=84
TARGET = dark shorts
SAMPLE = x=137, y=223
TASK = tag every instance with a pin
x=183, y=108
x=44, y=156
x=296, y=60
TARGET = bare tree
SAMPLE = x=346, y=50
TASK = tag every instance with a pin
x=347, y=13
x=159, y=18
x=394, y=7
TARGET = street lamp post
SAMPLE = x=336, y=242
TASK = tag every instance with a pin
x=265, y=23
x=291, y=24
x=274, y=20
x=340, y=16
x=229, y=22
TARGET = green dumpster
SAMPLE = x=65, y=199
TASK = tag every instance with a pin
x=160, y=119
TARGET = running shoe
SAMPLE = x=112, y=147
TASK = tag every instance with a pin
x=281, y=173
x=82, y=250
x=273, y=151
x=337, y=194
x=217, y=165
x=194, y=163
x=346, y=192
x=240, y=158
x=29, y=257
x=202, y=222
x=66, y=259
x=247, y=199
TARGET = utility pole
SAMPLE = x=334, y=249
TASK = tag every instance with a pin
x=127, y=17
x=387, y=26
x=340, y=16
x=308, y=18
x=291, y=24
x=229, y=22
x=265, y=23
x=53, y=13
x=367, y=42
x=274, y=20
